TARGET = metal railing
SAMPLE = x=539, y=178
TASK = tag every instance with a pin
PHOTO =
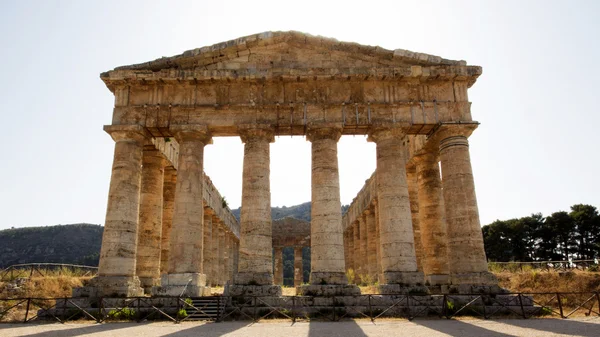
x=42, y=269
x=542, y=265
x=298, y=308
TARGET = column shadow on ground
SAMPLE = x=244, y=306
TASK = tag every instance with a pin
x=559, y=326
x=84, y=330
x=349, y=328
x=458, y=328
x=211, y=329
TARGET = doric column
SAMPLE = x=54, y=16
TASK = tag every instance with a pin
x=226, y=258
x=167, y=217
x=230, y=264
x=364, y=267
x=327, y=252
x=186, y=272
x=116, y=271
x=350, y=249
x=222, y=249
x=378, y=239
x=255, y=261
x=298, y=270
x=208, y=246
x=432, y=219
x=371, y=245
x=356, y=251
x=236, y=250
x=150, y=217
x=278, y=261
x=398, y=259
x=413, y=195
x=214, y=268
x=467, y=259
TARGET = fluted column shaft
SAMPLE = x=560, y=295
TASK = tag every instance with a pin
x=398, y=258
x=227, y=258
x=119, y=240
x=222, y=253
x=214, y=267
x=363, y=245
x=278, y=261
x=467, y=260
x=371, y=253
x=298, y=270
x=186, y=271
x=255, y=259
x=208, y=247
x=150, y=217
x=350, y=249
x=170, y=180
x=432, y=218
x=378, y=243
x=413, y=195
x=356, y=251
x=327, y=251
x=116, y=271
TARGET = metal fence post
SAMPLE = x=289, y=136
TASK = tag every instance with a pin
x=27, y=310
x=522, y=308
x=370, y=309
x=293, y=309
x=560, y=308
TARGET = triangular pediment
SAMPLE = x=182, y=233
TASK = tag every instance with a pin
x=289, y=50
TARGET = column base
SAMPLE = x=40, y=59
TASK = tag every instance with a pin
x=328, y=290
x=182, y=284
x=328, y=278
x=437, y=279
x=149, y=282
x=403, y=282
x=269, y=290
x=253, y=279
x=408, y=278
x=111, y=286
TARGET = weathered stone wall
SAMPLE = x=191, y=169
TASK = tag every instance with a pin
x=291, y=232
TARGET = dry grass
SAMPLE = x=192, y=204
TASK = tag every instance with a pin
x=544, y=281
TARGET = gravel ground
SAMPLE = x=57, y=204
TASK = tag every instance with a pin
x=588, y=327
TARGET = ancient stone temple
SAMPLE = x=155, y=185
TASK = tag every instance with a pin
x=166, y=229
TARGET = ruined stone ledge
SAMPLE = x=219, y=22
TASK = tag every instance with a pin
x=328, y=290
x=112, y=286
x=240, y=290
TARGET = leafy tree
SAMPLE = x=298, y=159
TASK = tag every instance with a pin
x=587, y=224
x=563, y=227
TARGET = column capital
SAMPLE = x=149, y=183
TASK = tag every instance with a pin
x=387, y=131
x=256, y=132
x=135, y=132
x=153, y=157
x=324, y=131
x=191, y=132
x=455, y=129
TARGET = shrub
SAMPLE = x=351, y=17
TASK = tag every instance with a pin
x=123, y=314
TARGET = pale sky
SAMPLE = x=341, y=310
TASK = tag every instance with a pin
x=535, y=151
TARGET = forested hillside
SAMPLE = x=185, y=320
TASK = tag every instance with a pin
x=72, y=244
x=301, y=212
x=559, y=236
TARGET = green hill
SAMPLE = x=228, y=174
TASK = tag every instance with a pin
x=73, y=244
x=80, y=243
x=301, y=212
